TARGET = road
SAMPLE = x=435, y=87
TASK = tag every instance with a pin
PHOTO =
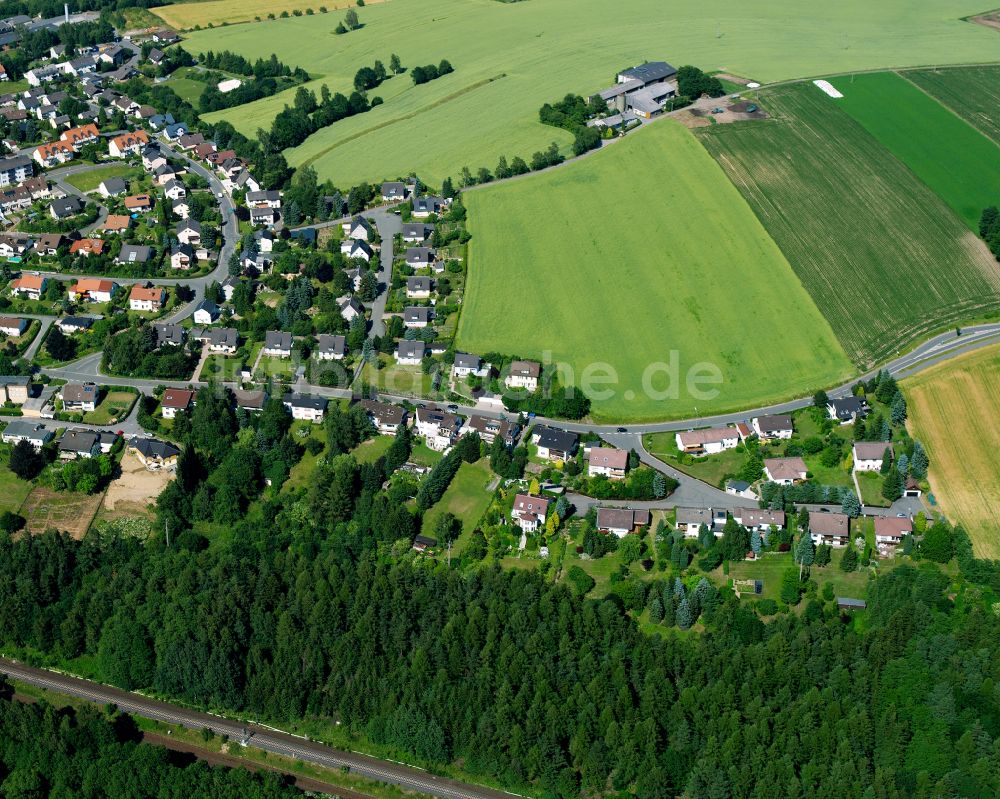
x=388, y=224
x=263, y=738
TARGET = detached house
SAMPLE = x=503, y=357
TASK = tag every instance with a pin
x=607, y=462
x=310, y=409
x=330, y=348
x=146, y=299
x=529, y=512
x=263, y=216
x=264, y=199
x=79, y=397
x=621, y=521
x=139, y=203
x=92, y=289
x=707, y=442
x=890, y=531
x=30, y=286
x=419, y=257
x=868, y=455
x=189, y=232
x=393, y=191
x=358, y=227
x=847, y=410
x=423, y=207
x=65, y=207
x=224, y=340
x=13, y=325
x=385, y=416
x=32, y=432
x=416, y=232
x=416, y=317
x=174, y=400
x=523, y=375
x=357, y=248
x=771, y=427
x=410, y=353
x=418, y=288
x=86, y=248
x=112, y=187
x=554, y=445
x=206, y=313
x=278, y=344
x=466, y=364
x=134, y=254
x=181, y=256
x=439, y=428
x=785, y=471
x=759, y=520
x=489, y=429
x=690, y=520
x=154, y=454
x=830, y=528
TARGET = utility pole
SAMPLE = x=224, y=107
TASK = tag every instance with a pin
x=166, y=530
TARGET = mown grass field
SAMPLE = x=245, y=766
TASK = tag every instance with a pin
x=184, y=16
x=630, y=255
x=509, y=58
x=89, y=181
x=953, y=411
x=971, y=92
x=466, y=497
x=883, y=257
x=957, y=161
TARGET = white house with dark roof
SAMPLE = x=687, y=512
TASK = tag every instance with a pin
x=621, y=521
x=305, y=407
x=467, y=364
x=707, y=442
x=357, y=227
x=385, y=416
x=419, y=257
x=416, y=317
x=330, y=348
x=357, y=248
x=410, y=353
x=394, y=191
x=418, y=288
x=553, y=444
x=523, y=375
x=416, y=232
x=32, y=432
x=278, y=344
x=848, y=409
x=439, y=428
x=773, y=426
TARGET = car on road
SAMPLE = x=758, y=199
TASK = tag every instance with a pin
x=621, y=430
x=453, y=408
x=901, y=516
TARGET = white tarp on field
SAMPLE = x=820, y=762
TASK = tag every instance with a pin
x=827, y=87
x=229, y=85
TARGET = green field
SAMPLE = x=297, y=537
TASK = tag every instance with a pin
x=884, y=258
x=634, y=256
x=958, y=162
x=509, y=58
x=89, y=181
x=187, y=88
x=466, y=497
x=971, y=92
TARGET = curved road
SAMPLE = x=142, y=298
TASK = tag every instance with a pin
x=261, y=737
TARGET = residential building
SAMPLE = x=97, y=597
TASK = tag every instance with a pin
x=607, y=462
x=707, y=442
x=225, y=340
x=250, y=400
x=357, y=227
x=263, y=216
x=278, y=344
x=439, y=428
x=523, y=375
x=529, y=513
x=78, y=137
x=181, y=256
x=180, y=208
x=79, y=444
x=889, y=530
x=418, y=288
x=153, y=453
x=13, y=325
x=173, y=189
x=139, y=203
x=466, y=364
x=785, y=471
x=117, y=224
x=419, y=257
x=416, y=317
x=169, y=335
x=393, y=191
x=15, y=170
x=489, y=429
x=92, y=289
x=760, y=520
x=868, y=455
x=54, y=153
x=206, y=313
x=385, y=416
x=830, y=528
x=351, y=309
x=621, y=521
x=128, y=144
x=74, y=324
x=357, y=248
x=774, y=426
x=32, y=432
x=848, y=409
x=648, y=73
x=554, y=445
x=416, y=232
x=14, y=388
x=86, y=248
x=307, y=408
x=142, y=298
x=690, y=521
x=264, y=199
x=112, y=187
x=410, y=353
x=174, y=400
x=29, y=286
x=330, y=348
x=80, y=397
x=134, y=254
x=189, y=232
x=65, y=207
x=424, y=207
x=740, y=488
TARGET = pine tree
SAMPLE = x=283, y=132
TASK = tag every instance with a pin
x=850, y=504
x=755, y=542
x=903, y=465
x=805, y=553
x=659, y=486
x=685, y=617
x=897, y=411
x=892, y=486
x=679, y=592
x=705, y=536
x=656, y=610
x=886, y=461
x=849, y=560
x=24, y=461
x=919, y=461
x=885, y=433
x=368, y=351
x=669, y=609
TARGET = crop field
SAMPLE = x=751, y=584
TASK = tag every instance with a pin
x=957, y=161
x=883, y=257
x=538, y=51
x=184, y=16
x=971, y=92
x=640, y=255
x=953, y=411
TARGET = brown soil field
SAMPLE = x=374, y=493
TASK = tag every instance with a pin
x=61, y=510
x=131, y=493
x=953, y=410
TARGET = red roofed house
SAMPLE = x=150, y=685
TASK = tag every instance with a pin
x=529, y=512
x=86, y=247
x=139, y=202
x=93, y=288
x=830, y=528
x=30, y=286
x=128, y=144
x=53, y=154
x=176, y=399
x=890, y=530
x=77, y=137
x=785, y=471
x=612, y=463
x=146, y=299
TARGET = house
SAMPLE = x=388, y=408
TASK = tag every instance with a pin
x=176, y=399
x=385, y=416
x=416, y=317
x=278, y=344
x=78, y=137
x=250, y=400
x=439, y=428
x=785, y=471
x=189, y=141
x=647, y=74
x=850, y=605
x=416, y=232
x=310, y=409
x=13, y=325
x=134, y=254
x=112, y=187
x=410, y=353
x=173, y=189
x=608, y=462
x=92, y=289
x=156, y=56
x=351, y=309
x=264, y=199
x=206, y=313
x=15, y=388
x=169, y=335
x=771, y=427
x=621, y=521
x=153, y=158
x=146, y=299
x=32, y=432
x=154, y=454
x=830, y=528
x=13, y=244
x=489, y=429
x=740, y=488
x=79, y=397
x=223, y=340
x=139, y=203
x=523, y=375
x=330, y=348
x=418, y=288
x=868, y=455
x=707, y=442
x=690, y=520
x=165, y=36
x=74, y=324
x=246, y=181
x=554, y=445
x=229, y=287
x=54, y=153
x=393, y=191
x=175, y=131
x=263, y=216
x=357, y=227
x=848, y=409
x=30, y=286
x=79, y=444
x=529, y=512
x=423, y=207
x=419, y=257
x=466, y=365
x=181, y=256
x=128, y=144
x=889, y=530
x=357, y=248
x=203, y=151
x=86, y=248
x=759, y=520
x=115, y=54
x=189, y=231
x=117, y=224
x=651, y=100
x=15, y=170
x=65, y=207
x=180, y=208
x=421, y=543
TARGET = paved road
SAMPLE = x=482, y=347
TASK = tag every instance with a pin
x=388, y=224
x=37, y=341
x=263, y=738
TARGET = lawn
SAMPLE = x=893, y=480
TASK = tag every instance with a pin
x=971, y=92
x=538, y=51
x=886, y=261
x=953, y=411
x=186, y=87
x=713, y=469
x=184, y=16
x=89, y=181
x=949, y=155
x=771, y=566
x=466, y=497
x=397, y=380
x=374, y=448
x=870, y=484
x=13, y=490
x=640, y=257
x=114, y=405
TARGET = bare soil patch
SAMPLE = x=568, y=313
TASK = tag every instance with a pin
x=62, y=510
x=991, y=19
x=131, y=493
